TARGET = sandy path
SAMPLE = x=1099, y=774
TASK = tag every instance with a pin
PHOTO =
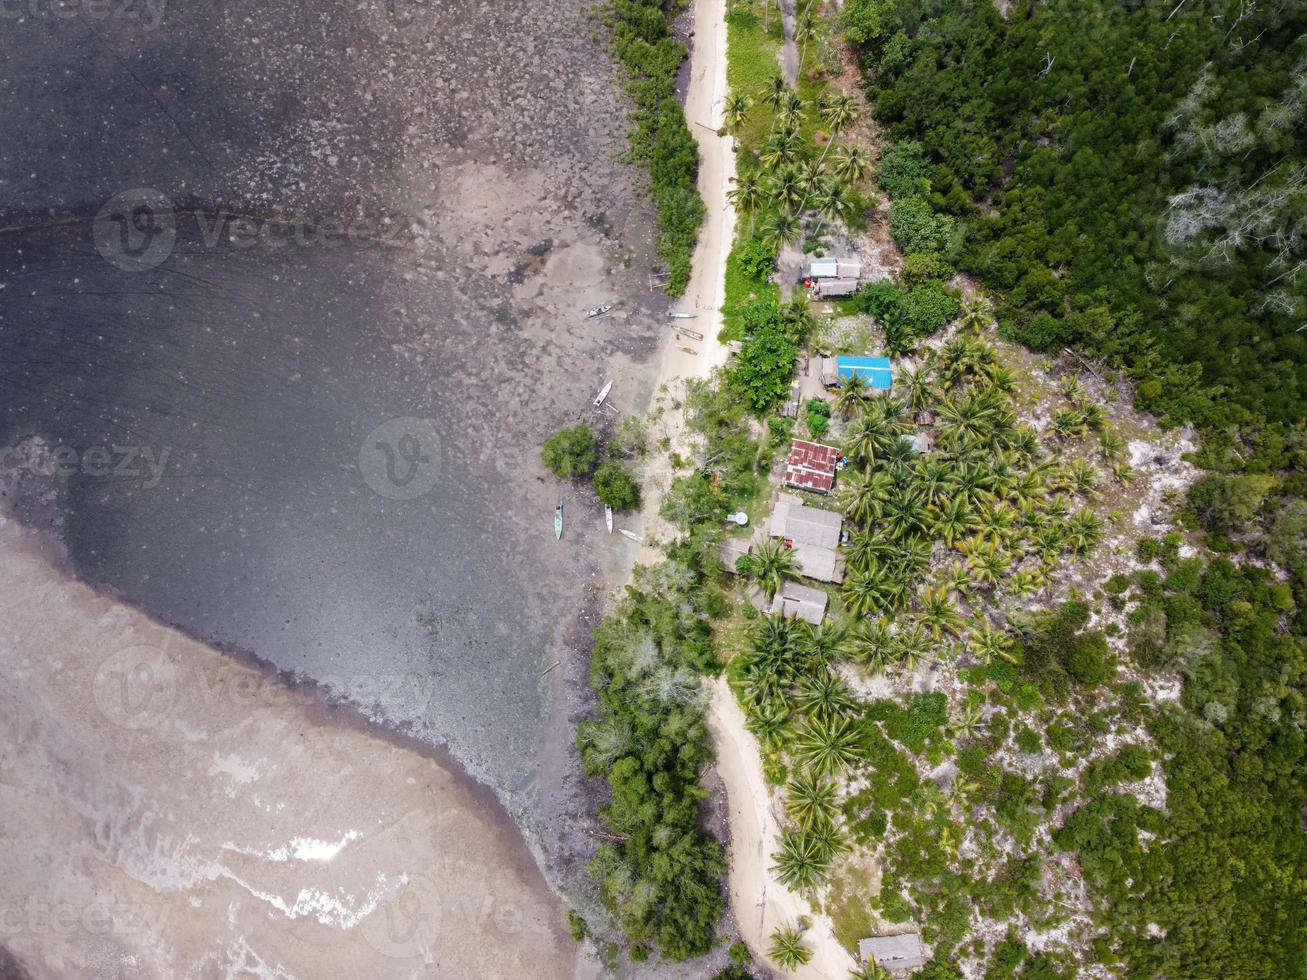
x=706, y=292
x=168, y=812
x=762, y=905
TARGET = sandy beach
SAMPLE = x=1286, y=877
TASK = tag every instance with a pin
x=706, y=291
x=172, y=813
x=761, y=903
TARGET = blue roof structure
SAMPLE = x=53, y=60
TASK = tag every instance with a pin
x=876, y=371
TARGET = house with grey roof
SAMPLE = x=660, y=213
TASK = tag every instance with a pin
x=813, y=534
x=803, y=601
x=896, y=954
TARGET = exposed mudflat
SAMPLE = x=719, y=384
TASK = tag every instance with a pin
x=289, y=296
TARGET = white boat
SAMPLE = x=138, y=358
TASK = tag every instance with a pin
x=608, y=518
x=676, y=315
x=689, y=333
x=631, y=534
x=603, y=393
x=598, y=311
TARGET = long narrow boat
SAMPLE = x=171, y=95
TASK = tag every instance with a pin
x=631, y=534
x=676, y=315
x=597, y=311
x=689, y=333
x=608, y=518
x=558, y=521
x=603, y=393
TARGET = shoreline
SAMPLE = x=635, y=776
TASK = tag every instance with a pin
x=706, y=292
x=268, y=769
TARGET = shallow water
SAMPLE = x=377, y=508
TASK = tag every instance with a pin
x=294, y=290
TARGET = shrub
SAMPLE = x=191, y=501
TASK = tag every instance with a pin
x=615, y=486
x=903, y=170
x=571, y=452
x=917, y=228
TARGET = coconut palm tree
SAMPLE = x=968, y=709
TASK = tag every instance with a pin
x=826, y=642
x=832, y=203
x=954, y=519
x=938, y=614
x=852, y=395
x=811, y=800
x=770, y=564
x=968, y=722
x=905, y=513
x=780, y=230
x=735, y=110
x=802, y=861
x=776, y=93
x=811, y=177
x=827, y=744
x=977, y=313
x=838, y=112
x=780, y=149
x=874, y=646
x=824, y=695
x=919, y=385
x=852, y=165
x=787, y=949
x=749, y=196
x=830, y=840
x=860, y=497
x=786, y=188
x=770, y=723
x=805, y=29
x=866, y=591
x=990, y=644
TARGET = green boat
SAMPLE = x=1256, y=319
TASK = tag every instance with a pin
x=558, y=521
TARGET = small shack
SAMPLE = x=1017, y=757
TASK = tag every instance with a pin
x=876, y=371
x=894, y=953
x=812, y=466
x=834, y=288
x=832, y=267
x=732, y=550
x=814, y=536
x=803, y=601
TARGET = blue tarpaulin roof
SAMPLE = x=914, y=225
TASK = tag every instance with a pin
x=876, y=371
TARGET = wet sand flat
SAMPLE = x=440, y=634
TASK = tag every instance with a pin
x=170, y=813
x=318, y=269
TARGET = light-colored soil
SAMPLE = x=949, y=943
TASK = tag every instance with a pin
x=706, y=291
x=762, y=905
x=168, y=813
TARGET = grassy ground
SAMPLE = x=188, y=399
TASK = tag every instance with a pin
x=853, y=888
x=751, y=64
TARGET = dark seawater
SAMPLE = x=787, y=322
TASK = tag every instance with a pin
x=313, y=437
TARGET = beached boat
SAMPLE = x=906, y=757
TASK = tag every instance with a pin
x=608, y=518
x=597, y=311
x=558, y=521
x=677, y=315
x=603, y=393
x=689, y=350
x=631, y=534
x=689, y=333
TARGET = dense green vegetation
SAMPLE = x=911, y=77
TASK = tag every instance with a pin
x=661, y=139
x=659, y=873
x=570, y=452
x=1128, y=177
